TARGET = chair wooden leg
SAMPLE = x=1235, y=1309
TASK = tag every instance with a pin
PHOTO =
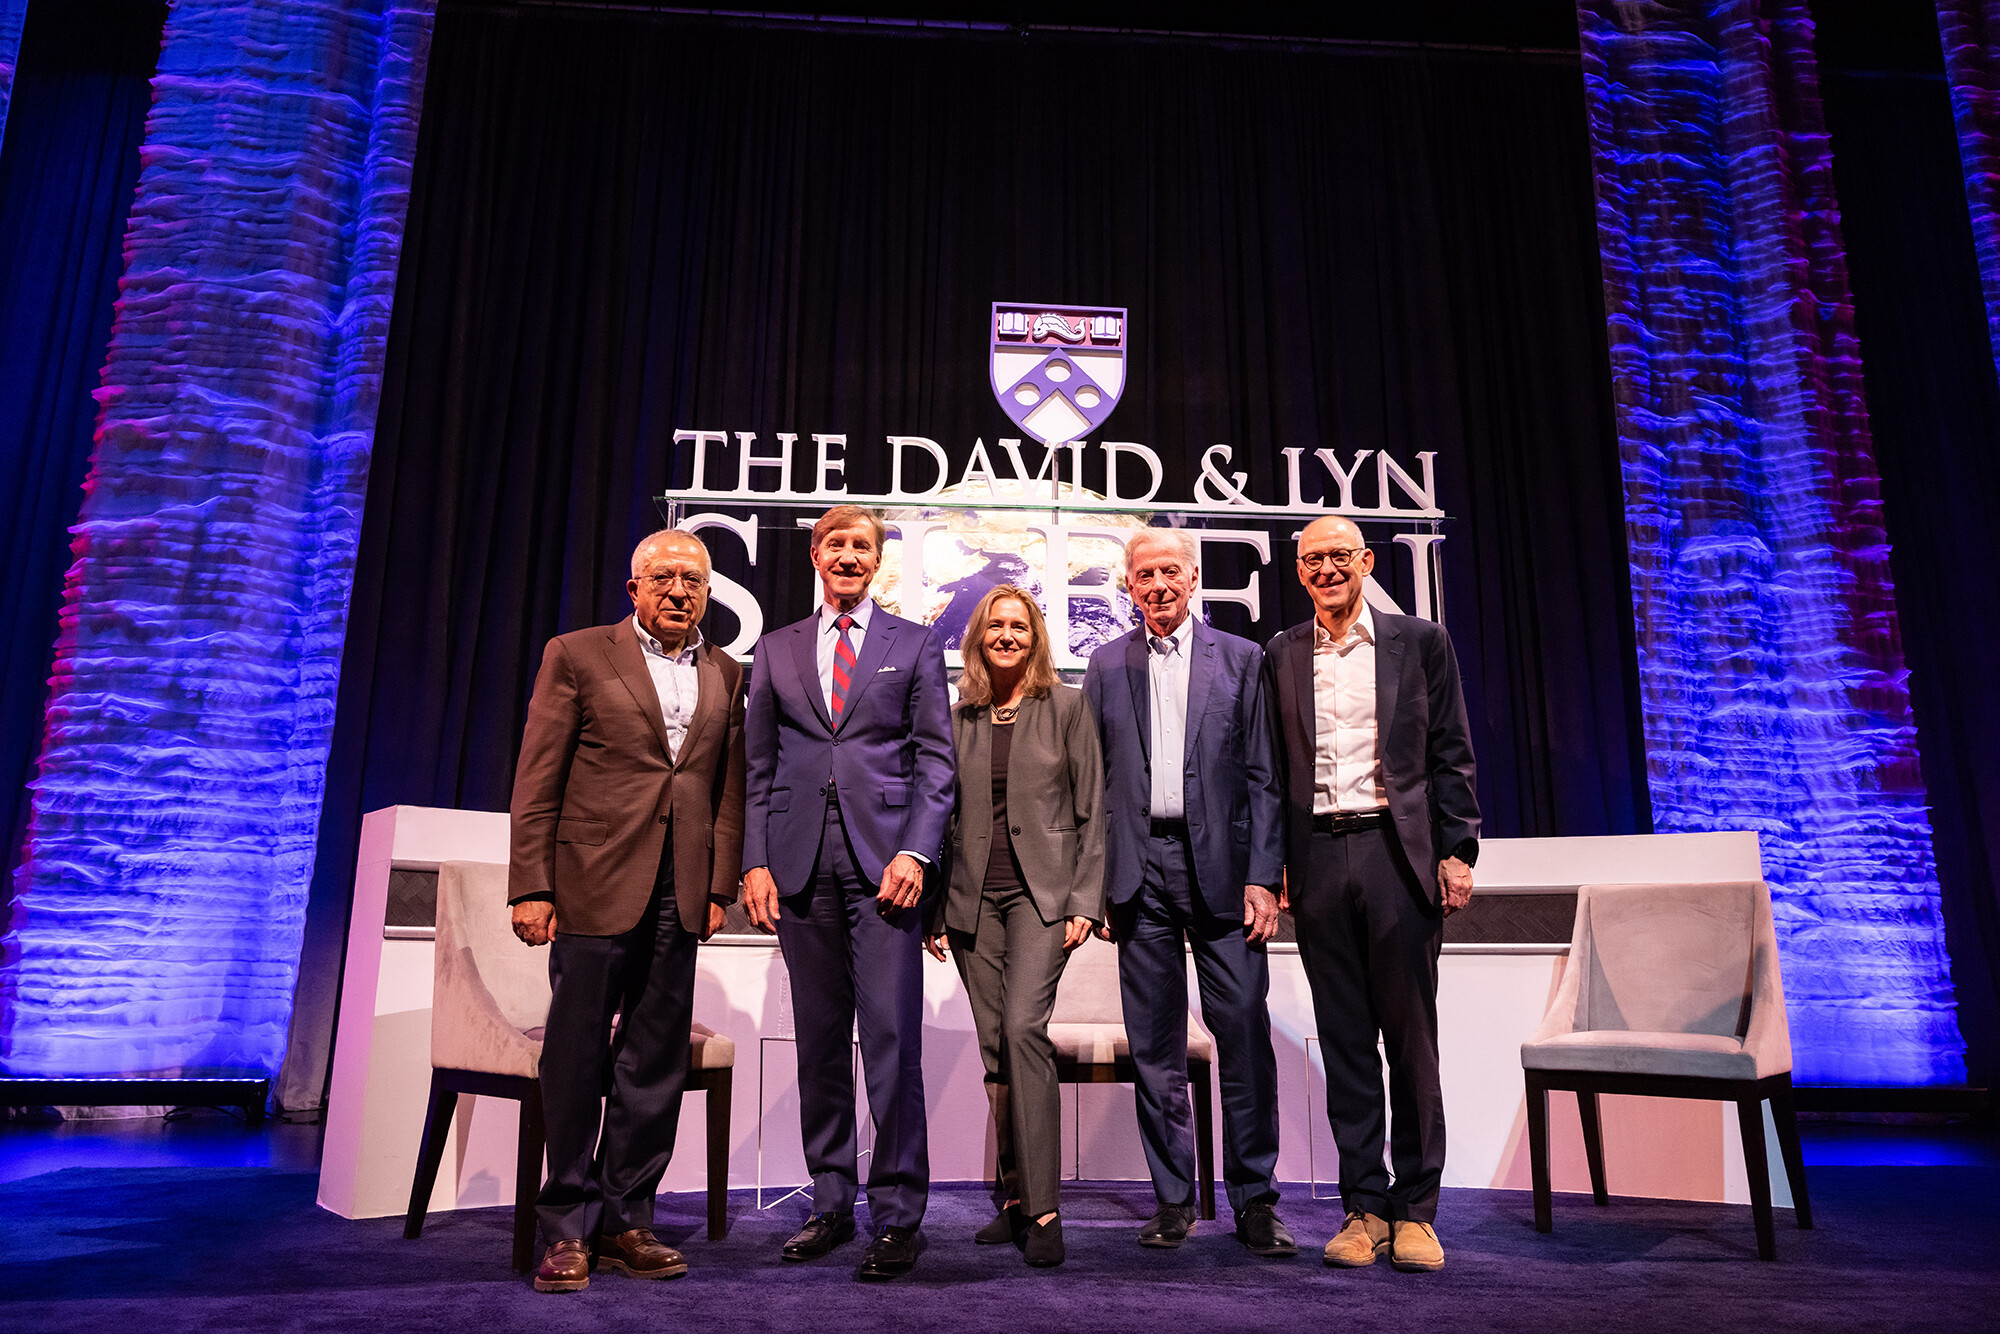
x=437, y=1124
x=1593, y=1145
x=1750, y=1118
x=1785, y=1115
x=718, y=1155
x=528, y=1178
x=1204, y=1132
x=1538, y=1150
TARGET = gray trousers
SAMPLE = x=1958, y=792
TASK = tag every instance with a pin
x=1010, y=964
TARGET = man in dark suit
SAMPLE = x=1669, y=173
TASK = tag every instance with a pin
x=627, y=834
x=1381, y=830
x=1194, y=852
x=848, y=797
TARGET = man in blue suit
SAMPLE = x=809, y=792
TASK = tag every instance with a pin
x=848, y=794
x=1194, y=851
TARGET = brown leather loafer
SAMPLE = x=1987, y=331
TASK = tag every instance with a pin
x=640, y=1254
x=566, y=1267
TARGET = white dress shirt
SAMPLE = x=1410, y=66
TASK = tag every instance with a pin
x=675, y=681
x=829, y=639
x=1167, y=674
x=1347, y=769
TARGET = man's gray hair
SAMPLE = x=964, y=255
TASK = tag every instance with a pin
x=651, y=541
x=1179, y=538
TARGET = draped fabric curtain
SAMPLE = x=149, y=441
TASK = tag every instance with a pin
x=12, y=14
x=622, y=225
x=161, y=899
x=67, y=169
x=1770, y=655
x=1934, y=401
x=1970, y=32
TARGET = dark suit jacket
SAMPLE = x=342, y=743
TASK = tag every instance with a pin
x=1229, y=781
x=891, y=757
x=594, y=791
x=1421, y=736
x=1055, y=797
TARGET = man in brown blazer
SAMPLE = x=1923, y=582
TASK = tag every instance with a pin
x=627, y=845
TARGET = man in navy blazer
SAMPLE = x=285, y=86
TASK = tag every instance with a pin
x=847, y=797
x=1381, y=831
x=1194, y=852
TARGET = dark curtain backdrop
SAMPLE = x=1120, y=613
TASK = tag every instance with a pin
x=623, y=224
x=1935, y=404
x=67, y=173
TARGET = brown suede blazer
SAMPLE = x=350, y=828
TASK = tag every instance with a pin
x=594, y=791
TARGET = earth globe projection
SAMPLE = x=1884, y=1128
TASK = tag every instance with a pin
x=974, y=549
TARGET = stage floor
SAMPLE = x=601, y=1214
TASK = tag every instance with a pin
x=206, y=1224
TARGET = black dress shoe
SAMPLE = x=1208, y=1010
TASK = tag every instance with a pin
x=1043, y=1245
x=1259, y=1228
x=821, y=1234
x=1007, y=1228
x=893, y=1252
x=1169, y=1227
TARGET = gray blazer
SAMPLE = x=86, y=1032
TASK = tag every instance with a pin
x=1055, y=804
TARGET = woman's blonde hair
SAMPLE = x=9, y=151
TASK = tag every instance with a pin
x=975, y=683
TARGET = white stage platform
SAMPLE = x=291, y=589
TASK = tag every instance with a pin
x=1490, y=998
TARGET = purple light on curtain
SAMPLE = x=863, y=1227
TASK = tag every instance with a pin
x=1771, y=667
x=13, y=13
x=1970, y=30
x=162, y=892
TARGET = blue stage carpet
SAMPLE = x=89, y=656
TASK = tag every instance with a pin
x=153, y=1250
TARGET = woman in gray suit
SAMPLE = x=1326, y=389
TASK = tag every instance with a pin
x=1026, y=887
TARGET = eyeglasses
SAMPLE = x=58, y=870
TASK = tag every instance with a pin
x=1339, y=558
x=660, y=583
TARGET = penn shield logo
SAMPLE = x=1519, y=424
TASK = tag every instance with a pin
x=1058, y=370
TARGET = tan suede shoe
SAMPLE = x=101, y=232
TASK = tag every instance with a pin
x=1416, y=1249
x=566, y=1267
x=1359, y=1241
x=640, y=1254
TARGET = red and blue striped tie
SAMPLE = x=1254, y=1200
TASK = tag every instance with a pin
x=843, y=668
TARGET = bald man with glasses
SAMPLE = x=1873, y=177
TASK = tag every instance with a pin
x=1381, y=831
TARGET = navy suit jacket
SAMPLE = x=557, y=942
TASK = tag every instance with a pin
x=1421, y=737
x=1229, y=778
x=892, y=757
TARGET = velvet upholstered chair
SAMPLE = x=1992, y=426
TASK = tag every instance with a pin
x=1088, y=1030
x=489, y=1001
x=1670, y=991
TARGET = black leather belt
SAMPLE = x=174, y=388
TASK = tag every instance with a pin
x=1171, y=829
x=1349, y=822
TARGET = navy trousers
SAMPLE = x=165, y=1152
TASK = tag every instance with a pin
x=1235, y=981
x=629, y=1089
x=1369, y=940
x=854, y=969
